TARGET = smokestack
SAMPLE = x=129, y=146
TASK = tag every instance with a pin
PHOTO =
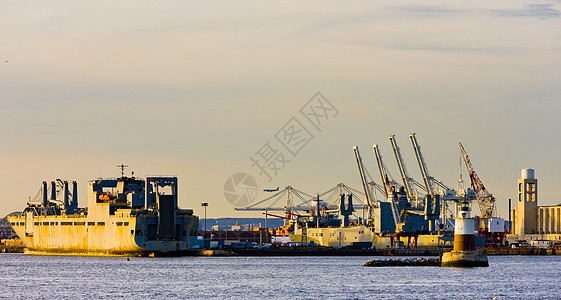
x=350, y=207
x=45, y=201
x=74, y=194
x=66, y=196
x=509, y=216
x=53, y=190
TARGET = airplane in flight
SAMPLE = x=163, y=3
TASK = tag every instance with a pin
x=271, y=190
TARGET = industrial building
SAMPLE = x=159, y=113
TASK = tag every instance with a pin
x=531, y=222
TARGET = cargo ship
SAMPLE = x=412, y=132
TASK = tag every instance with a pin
x=124, y=216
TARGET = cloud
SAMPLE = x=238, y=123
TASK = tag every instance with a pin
x=539, y=10
x=429, y=11
x=437, y=48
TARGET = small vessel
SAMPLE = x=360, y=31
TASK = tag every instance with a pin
x=124, y=216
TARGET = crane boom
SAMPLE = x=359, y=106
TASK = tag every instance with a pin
x=407, y=181
x=427, y=179
x=387, y=184
x=361, y=171
x=383, y=172
x=485, y=200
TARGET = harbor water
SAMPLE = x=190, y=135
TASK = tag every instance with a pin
x=74, y=277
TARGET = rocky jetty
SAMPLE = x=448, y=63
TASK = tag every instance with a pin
x=404, y=262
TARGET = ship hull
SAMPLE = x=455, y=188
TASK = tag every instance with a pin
x=335, y=236
x=82, y=236
x=364, y=237
x=125, y=216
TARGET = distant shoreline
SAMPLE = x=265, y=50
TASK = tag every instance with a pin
x=326, y=251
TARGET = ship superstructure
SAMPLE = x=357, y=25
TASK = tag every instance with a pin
x=125, y=216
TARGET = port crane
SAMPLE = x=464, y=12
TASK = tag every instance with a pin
x=275, y=202
x=331, y=198
x=428, y=180
x=387, y=185
x=387, y=179
x=485, y=199
x=408, y=182
x=367, y=191
x=291, y=201
x=435, y=188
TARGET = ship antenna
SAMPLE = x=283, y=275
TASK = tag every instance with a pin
x=122, y=167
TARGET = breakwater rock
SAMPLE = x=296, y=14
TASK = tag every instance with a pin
x=404, y=262
x=463, y=259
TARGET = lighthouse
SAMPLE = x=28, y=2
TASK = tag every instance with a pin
x=464, y=254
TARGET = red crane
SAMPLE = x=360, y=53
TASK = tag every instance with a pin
x=485, y=199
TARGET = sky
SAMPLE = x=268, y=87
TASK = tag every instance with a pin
x=199, y=89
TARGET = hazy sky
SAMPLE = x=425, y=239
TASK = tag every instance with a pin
x=195, y=89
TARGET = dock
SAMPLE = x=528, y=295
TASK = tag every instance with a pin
x=319, y=251
x=521, y=251
x=11, y=249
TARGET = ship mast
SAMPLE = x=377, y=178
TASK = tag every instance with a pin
x=122, y=167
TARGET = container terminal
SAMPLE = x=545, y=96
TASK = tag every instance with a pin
x=411, y=217
x=408, y=215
